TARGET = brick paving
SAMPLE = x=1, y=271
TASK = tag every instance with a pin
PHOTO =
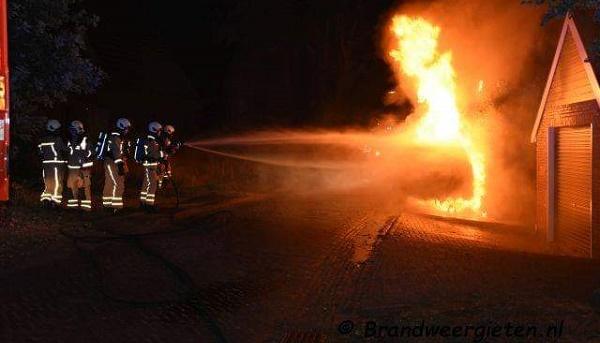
x=253, y=268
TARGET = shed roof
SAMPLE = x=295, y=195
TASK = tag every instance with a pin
x=585, y=31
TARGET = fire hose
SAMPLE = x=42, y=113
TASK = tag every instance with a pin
x=187, y=292
x=175, y=189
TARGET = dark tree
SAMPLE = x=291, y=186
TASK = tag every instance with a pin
x=47, y=53
x=47, y=59
x=559, y=8
x=311, y=63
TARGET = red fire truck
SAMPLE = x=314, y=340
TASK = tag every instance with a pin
x=4, y=117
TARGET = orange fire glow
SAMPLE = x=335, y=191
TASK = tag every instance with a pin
x=415, y=50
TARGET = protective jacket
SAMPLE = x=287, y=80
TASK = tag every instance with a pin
x=169, y=145
x=115, y=150
x=52, y=149
x=153, y=154
x=80, y=153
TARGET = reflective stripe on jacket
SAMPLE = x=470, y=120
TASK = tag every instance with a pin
x=115, y=147
x=52, y=149
x=153, y=152
x=80, y=153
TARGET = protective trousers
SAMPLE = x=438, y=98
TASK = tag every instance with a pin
x=80, y=179
x=149, y=185
x=114, y=185
x=53, y=174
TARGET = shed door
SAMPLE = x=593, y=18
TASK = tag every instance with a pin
x=573, y=190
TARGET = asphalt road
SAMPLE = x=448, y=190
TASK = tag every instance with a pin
x=282, y=268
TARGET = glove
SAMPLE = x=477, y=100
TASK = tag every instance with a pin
x=121, y=168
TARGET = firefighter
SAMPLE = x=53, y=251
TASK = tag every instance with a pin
x=115, y=166
x=79, y=165
x=169, y=146
x=52, y=151
x=152, y=157
x=168, y=141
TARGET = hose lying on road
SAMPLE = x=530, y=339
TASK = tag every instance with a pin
x=188, y=293
x=175, y=189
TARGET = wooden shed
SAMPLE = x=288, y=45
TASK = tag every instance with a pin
x=567, y=137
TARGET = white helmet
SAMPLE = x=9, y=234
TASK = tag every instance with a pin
x=169, y=129
x=76, y=126
x=123, y=124
x=53, y=125
x=154, y=127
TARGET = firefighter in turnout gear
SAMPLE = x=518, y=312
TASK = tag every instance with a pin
x=167, y=140
x=115, y=166
x=169, y=146
x=151, y=158
x=52, y=151
x=79, y=165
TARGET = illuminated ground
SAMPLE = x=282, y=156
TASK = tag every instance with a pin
x=252, y=268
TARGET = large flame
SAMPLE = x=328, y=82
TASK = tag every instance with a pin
x=416, y=51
